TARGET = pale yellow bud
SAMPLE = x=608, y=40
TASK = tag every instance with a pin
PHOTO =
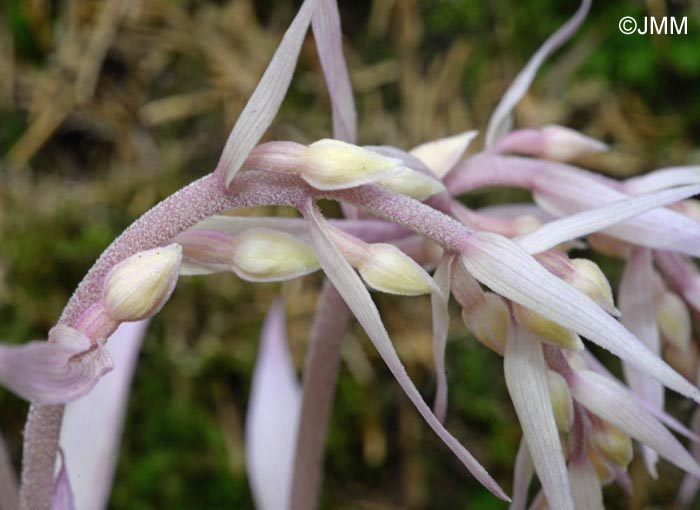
x=603, y=469
x=562, y=404
x=689, y=207
x=139, y=286
x=563, y=144
x=547, y=330
x=674, y=320
x=525, y=223
x=612, y=443
x=488, y=320
x=388, y=269
x=263, y=255
x=413, y=184
x=332, y=164
x=589, y=279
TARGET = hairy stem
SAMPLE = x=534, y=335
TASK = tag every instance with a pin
x=175, y=214
x=320, y=376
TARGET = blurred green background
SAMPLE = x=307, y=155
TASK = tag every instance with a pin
x=107, y=107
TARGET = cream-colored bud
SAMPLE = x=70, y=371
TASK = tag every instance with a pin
x=612, y=443
x=265, y=255
x=547, y=330
x=689, y=207
x=560, y=143
x=603, y=469
x=139, y=286
x=413, y=184
x=388, y=269
x=488, y=320
x=332, y=164
x=589, y=279
x=674, y=320
x=562, y=404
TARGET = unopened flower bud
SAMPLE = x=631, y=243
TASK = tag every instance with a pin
x=590, y=279
x=562, y=404
x=612, y=443
x=560, y=143
x=264, y=255
x=674, y=320
x=609, y=246
x=332, y=164
x=583, y=274
x=139, y=286
x=547, y=330
x=388, y=269
x=413, y=184
x=603, y=469
x=689, y=207
x=488, y=320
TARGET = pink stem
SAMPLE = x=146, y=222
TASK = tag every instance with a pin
x=175, y=214
x=320, y=376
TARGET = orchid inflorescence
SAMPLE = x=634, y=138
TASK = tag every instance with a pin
x=508, y=268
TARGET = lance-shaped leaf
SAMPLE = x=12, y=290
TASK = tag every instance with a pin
x=441, y=326
x=329, y=44
x=522, y=476
x=669, y=421
x=593, y=220
x=610, y=401
x=62, y=496
x=54, y=372
x=499, y=122
x=510, y=271
x=92, y=425
x=662, y=178
x=263, y=105
x=526, y=379
x=563, y=190
x=636, y=302
x=585, y=485
x=358, y=299
x=440, y=156
x=273, y=416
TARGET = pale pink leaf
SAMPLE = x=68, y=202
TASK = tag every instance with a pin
x=62, y=496
x=510, y=271
x=593, y=220
x=563, y=190
x=522, y=476
x=585, y=485
x=360, y=303
x=662, y=178
x=636, y=302
x=273, y=416
x=522, y=82
x=90, y=457
x=611, y=402
x=258, y=113
x=329, y=44
x=526, y=379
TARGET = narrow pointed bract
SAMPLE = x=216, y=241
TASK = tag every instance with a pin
x=92, y=425
x=526, y=379
x=508, y=270
x=608, y=400
x=441, y=326
x=360, y=302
